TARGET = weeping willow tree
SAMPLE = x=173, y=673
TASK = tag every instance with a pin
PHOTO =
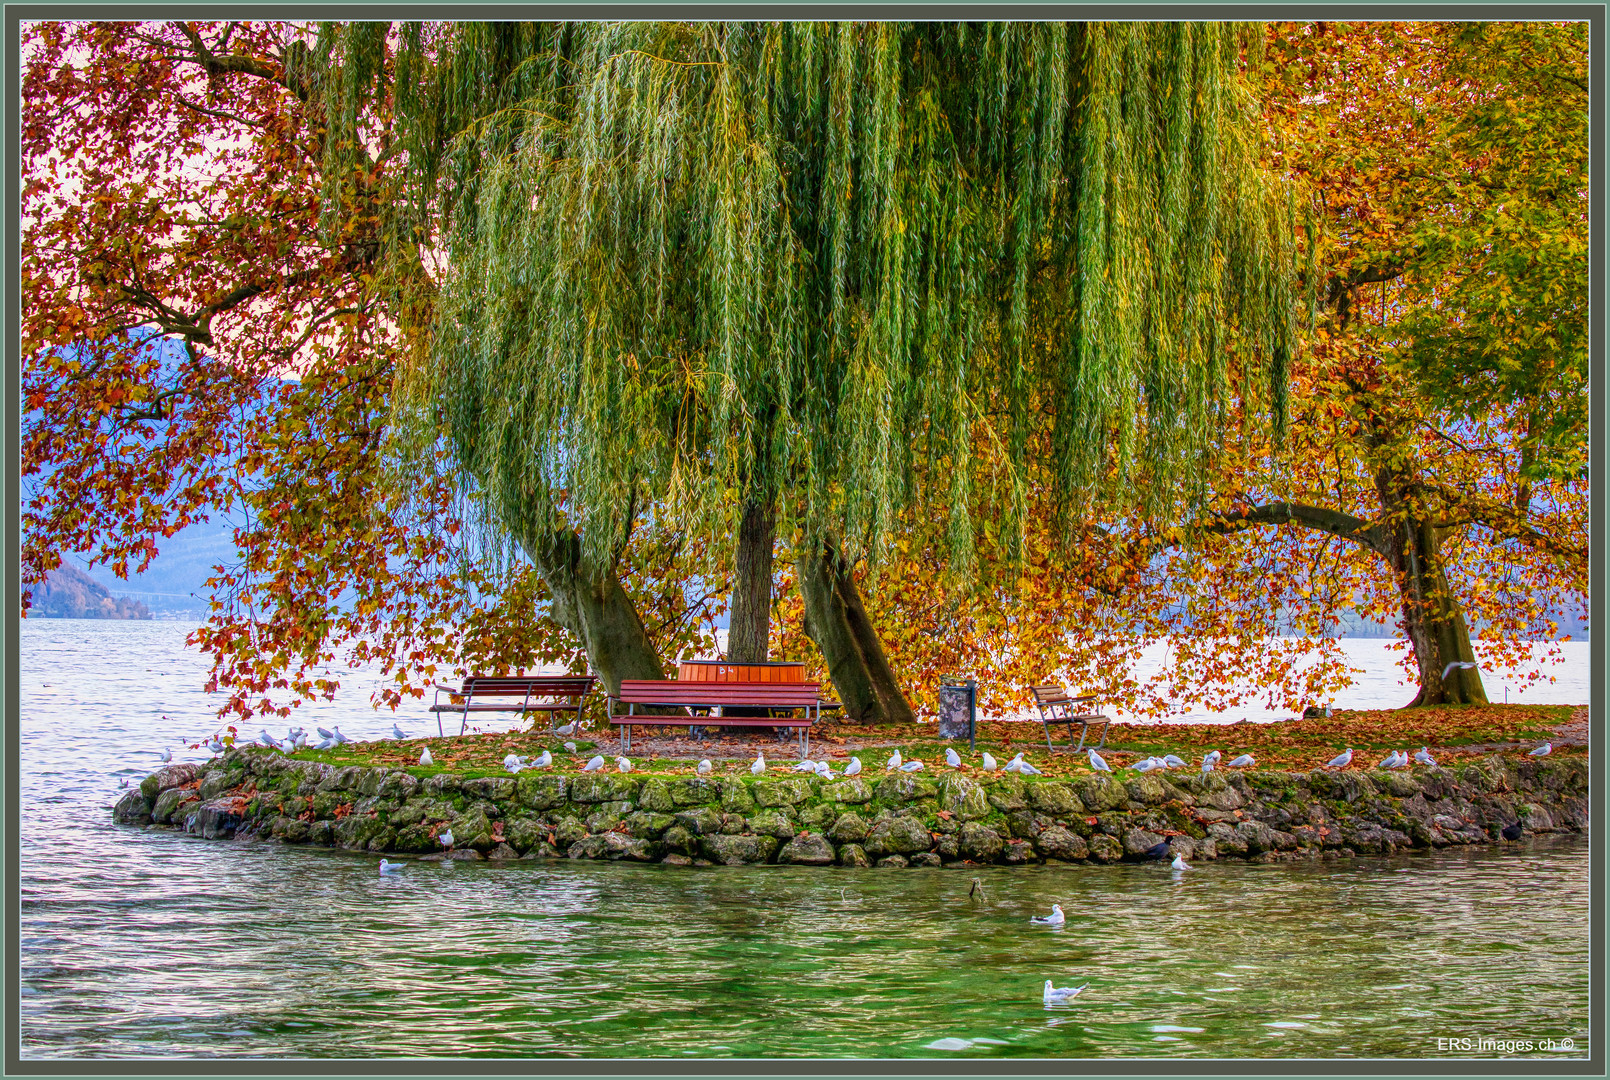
x=766, y=277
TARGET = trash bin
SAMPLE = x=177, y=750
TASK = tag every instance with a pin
x=958, y=708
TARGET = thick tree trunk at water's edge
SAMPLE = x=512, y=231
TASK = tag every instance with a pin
x=837, y=621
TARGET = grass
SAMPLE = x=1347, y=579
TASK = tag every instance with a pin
x=1296, y=745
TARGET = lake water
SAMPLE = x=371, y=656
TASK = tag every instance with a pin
x=150, y=944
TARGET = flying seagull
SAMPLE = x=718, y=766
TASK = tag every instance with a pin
x=1056, y=918
x=1460, y=664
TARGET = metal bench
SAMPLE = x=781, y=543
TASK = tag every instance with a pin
x=1058, y=707
x=537, y=693
x=704, y=697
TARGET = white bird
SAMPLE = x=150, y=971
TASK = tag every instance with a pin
x=1403, y=760
x=758, y=766
x=805, y=766
x=1173, y=762
x=824, y=770
x=853, y=768
x=1245, y=761
x=1149, y=765
x=390, y=867
x=989, y=761
x=893, y=762
x=568, y=729
x=1027, y=770
x=1056, y=918
x=1179, y=863
x=1055, y=994
x=1423, y=756
x=596, y=763
x=544, y=761
x=1014, y=764
x=167, y=755
x=340, y=738
x=1098, y=763
x=1340, y=761
x=446, y=837
x=705, y=767
x=325, y=744
x=952, y=758
x=513, y=763
x=424, y=756
x=326, y=734
x=1542, y=751
x=1213, y=756
x=623, y=764
x=215, y=746
x=1461, y=664
x=570, y=746
x=1207, y=767
x=1388, y=761
x=911, y=766
x=398, y=733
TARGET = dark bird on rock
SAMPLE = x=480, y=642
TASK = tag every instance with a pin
x=1156, y=851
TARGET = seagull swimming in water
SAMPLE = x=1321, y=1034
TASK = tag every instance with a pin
x=1099, y=763
x=390, y=867
x=1053, y=994
x=853, y=768
x=1056, y=918
x=595, y=764
x=424, y=756
x=704, y=767
x=989, y=761
x=893, y=762
x=952, y=758
x=399, y=734
x=1179, y=863
x=758, y=766
x=1542, y=751
x=1340, y=761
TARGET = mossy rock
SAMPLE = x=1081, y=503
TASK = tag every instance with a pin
x=1055, y=798
x=567, y=830
x=694, y=791
x=648, y=825
x=423, y=808
x=340, y=779
x=1006, y=794
x=852, y=791
x=816, y=816
x=539, y=792
x=810, y=849
x=656, y=796
x=700, y=820
x=295, y=806
x=213, y=784
x=1217, y=793
x=321, y=833
x=736, y=797
x=854, y=855
x=523, y=834
x=325, y=802
x=1104, y=848
x=900, y=788
x=290, y=831
x=979, y=842
x=739, y=850
x=354, y=833
x=468, y=826
x=1057, y=842
x=679, y=839
x=900, y=836
x=772, y=822
x=443, y=785
x=491, y=788
x=132, y=809
x=849, y=828
x=964, y=798
x=786, y=792
x=593, y=788
x=1101, y=792
x=415, y=840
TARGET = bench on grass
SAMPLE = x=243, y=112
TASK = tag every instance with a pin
x=702, y=698
x=490, y=693
x=1057, y=707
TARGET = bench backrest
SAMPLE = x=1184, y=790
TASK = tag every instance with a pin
x=528, y=685
x=678, y=692
x=1057, y=695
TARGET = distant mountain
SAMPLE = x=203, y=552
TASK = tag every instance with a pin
x=69, y=593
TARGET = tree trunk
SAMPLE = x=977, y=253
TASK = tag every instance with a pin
x=1432, y=617
x=837, y=621
x=590, y=603
x=750, y=628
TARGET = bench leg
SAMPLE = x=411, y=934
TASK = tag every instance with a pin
x=1047, y=725
x=1083, y=730
x=1103, y=741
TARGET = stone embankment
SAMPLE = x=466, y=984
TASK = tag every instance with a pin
x=893, y=821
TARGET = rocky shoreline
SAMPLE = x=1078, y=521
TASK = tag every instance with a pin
x=889, y=821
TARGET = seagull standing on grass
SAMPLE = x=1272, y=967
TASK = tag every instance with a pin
x=596, y=763
x=1055, y=995
x=1340, y=761
x=1149, y=765
x=1173, y=762
x=704, y=767
x=1542, y=751
x=759, y=764
x=570, y=747
x=805, y=766
x=1245, y=761
x=911, y=766
x=568, y=729
x=989, y=761
x=1099, y=763
x=853, y=768
x=424, y=756
x=1026, y=769
x=513, y=763
x=1213, y=756
x=893, y=762
x=390, y=867
x=326, y=734
x=952, y=758
x=623, y=764
x=1014, y=764
x=1056, y=918
x=1423, y=756
x=340, y=738
x=824, y=770
x=1388, y=761
x=543, y=762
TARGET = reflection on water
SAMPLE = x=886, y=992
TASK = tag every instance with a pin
x=151, y=944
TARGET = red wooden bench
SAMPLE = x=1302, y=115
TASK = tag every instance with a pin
x=704, y=697
x=537, y=693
